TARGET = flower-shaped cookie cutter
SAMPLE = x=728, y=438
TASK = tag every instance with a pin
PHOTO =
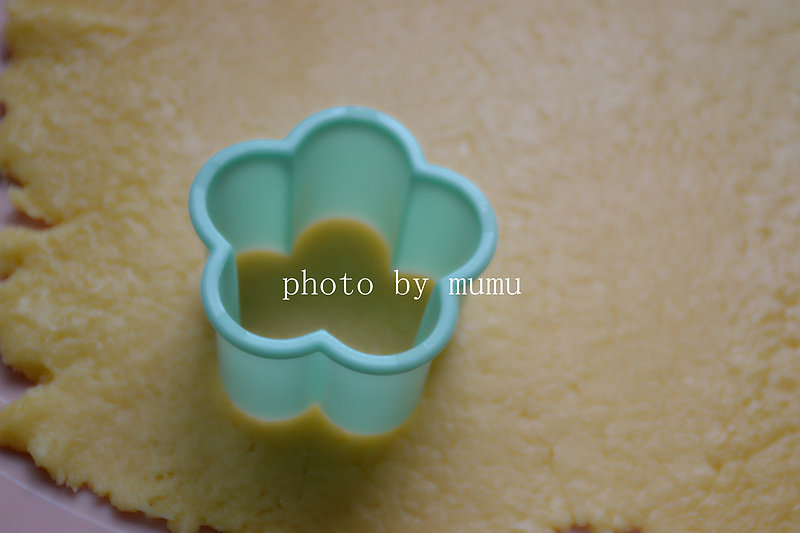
x=341, y=162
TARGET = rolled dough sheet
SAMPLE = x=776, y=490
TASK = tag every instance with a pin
x=643, y=161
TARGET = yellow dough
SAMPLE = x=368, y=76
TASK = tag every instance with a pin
x=320, y=285
x=643, y=159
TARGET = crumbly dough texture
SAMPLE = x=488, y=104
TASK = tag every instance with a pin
x=643, y=162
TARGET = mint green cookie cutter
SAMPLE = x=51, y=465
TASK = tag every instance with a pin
x=341, y=162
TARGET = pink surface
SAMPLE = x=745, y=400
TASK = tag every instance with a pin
x=29, y=500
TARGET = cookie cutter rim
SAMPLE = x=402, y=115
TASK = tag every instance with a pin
x=321, y=341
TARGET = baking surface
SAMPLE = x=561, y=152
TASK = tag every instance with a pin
x=644, y=167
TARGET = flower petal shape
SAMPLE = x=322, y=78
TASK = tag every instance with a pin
x=349, y=162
